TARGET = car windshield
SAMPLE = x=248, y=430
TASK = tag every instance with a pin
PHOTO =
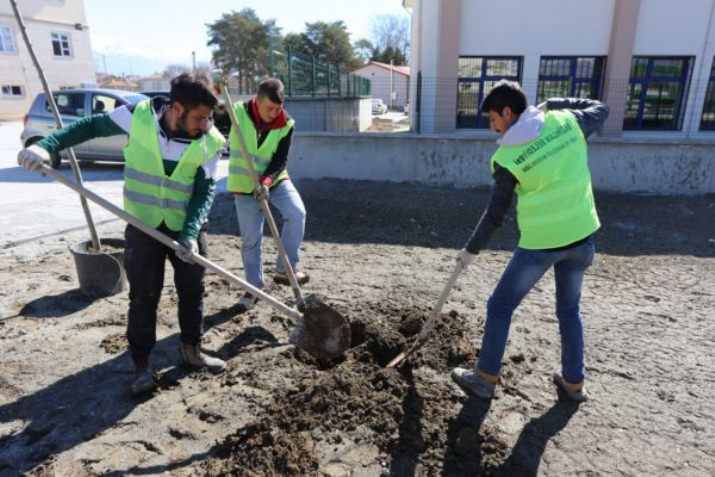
x=135, y=98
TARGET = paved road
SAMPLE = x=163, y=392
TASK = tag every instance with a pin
x=34, y=206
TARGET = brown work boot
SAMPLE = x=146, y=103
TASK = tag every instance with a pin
x=191, y=355
x=143, y=379
x=281, y=278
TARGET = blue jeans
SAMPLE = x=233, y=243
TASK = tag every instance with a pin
x=286, y=199
x=524, y=270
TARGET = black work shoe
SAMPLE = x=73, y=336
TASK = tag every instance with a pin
x=143, y=379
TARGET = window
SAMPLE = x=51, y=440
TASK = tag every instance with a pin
x=61, y=44
x=476, y=78
x=574, y=77
x=104, y=104
x=707, y=120
x=657, y=90
x=7, y=42
x=71, y=104
x=12, y=90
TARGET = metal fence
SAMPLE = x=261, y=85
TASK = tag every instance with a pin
x=304, y=75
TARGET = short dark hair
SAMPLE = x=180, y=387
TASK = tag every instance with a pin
x=190, y=90
x=272, y=88
x=505, y=93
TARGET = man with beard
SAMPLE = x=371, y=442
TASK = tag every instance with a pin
x=171, y=161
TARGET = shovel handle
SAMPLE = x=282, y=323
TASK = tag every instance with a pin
x=262, y=202
x=429, y=324
x=173, y=244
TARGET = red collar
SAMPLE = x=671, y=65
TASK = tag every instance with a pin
x=277, y=123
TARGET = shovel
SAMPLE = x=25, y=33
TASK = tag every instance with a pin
x=262, y=202
x=324, y=332
x=429, y=324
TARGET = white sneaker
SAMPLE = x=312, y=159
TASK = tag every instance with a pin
x=247, y=301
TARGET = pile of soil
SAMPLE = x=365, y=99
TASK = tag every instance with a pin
x=407, y=414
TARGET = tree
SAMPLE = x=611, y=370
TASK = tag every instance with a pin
x=328, y=42
x=174, y=70
x=390, y=54
x=391, y=31
x=364, y=50
x=242, y=44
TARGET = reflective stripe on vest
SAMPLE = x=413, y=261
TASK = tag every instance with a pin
x=239, y=179
x=149, y=194
x=555, y=205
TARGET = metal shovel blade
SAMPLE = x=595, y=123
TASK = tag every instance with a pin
x=324, y=333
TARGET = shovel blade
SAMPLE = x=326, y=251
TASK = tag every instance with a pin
x=324, y=333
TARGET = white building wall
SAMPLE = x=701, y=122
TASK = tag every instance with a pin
x=380, y=84
x=532, y=30
x=430, y=12
x=42, y=18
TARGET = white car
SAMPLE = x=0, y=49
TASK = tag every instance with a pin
x=378, y=106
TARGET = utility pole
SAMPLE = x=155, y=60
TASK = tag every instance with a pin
x=392, y=92
x=193, y=62
x=104, y=60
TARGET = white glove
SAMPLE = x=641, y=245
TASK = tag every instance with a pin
x=465, y=258
x=543, y=106
x=190, y=248
x=33, y=158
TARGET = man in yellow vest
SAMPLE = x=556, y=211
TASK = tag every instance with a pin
x=267, y=131
x=542, y=157
x=171, y=160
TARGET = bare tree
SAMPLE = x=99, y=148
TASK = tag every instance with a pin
x=174, y=70
x=391, y=31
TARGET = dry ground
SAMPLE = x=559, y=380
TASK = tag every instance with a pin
x=380, y=253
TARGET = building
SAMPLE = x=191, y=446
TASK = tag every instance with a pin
x=651, y=61
x=154, y=82
x=387, y=82
x=59, y=34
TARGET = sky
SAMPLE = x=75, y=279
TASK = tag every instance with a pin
x=142, y=36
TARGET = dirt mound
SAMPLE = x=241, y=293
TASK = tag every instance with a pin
x=411, y=415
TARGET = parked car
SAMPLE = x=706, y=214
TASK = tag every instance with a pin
x=74, y=104
x=153, y=94
x=378, y=106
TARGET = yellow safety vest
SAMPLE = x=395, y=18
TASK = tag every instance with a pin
x=149, y=194
x=555, y=205
x=239, y=179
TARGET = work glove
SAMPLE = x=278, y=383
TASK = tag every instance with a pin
x=543, y=106
x=465, y=257
x=33, y=158
x=261, y=192
x=189, y=248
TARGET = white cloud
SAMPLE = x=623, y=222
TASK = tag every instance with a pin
x=166, y=52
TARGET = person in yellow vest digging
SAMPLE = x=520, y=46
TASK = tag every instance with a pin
x=542, y=156
x=171, y=160
x=267, y=130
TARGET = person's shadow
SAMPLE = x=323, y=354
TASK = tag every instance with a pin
x=463, y=455
x=410, y=443
x=79, y=407
x=526, y=455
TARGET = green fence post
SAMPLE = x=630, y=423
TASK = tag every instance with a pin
x=312, y=76
x=290, y=71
